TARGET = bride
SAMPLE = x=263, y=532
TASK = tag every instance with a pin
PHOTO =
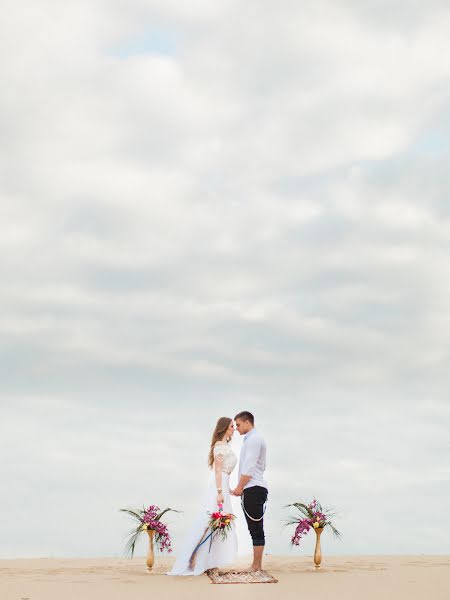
x=222, y=461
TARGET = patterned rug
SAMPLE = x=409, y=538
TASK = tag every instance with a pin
x=217, y=576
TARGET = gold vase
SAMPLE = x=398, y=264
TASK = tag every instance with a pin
x=318, y=550
x=151, y=553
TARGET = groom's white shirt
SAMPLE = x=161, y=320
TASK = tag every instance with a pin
x=253, y=459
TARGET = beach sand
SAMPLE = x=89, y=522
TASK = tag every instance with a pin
x=346, y=577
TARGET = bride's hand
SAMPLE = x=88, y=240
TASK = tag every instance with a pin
x=220, y=498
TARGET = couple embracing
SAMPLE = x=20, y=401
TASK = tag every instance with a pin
x=251, y=488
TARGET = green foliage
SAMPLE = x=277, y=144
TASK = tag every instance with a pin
x=305, y=511
x=138, y=516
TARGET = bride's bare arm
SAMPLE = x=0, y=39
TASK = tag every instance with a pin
x=218, y=462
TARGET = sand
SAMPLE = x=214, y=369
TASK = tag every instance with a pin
x=346, y=577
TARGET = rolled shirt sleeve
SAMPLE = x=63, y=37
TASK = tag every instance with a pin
x=252, y=451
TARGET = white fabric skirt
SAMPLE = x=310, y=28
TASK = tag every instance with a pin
x=222, y=552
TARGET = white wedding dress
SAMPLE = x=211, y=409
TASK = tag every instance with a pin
x=222, y=552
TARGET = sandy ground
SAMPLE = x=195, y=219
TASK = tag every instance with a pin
x=346, y=577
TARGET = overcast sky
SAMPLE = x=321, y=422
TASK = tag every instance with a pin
x=207, y=207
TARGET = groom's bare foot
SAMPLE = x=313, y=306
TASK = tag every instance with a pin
x=252, y=569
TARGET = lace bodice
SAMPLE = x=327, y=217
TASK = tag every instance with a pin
x=224, y=453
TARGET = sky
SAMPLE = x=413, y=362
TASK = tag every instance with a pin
x=209, y=207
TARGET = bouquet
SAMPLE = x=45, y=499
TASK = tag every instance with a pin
x=312, y=516
x=219, y=525
x=149, y=519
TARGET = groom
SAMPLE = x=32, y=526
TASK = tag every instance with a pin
x=252, y=486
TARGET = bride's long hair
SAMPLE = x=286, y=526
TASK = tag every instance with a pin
x=221, y=426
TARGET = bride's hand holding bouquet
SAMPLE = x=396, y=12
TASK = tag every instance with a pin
x=219, y=524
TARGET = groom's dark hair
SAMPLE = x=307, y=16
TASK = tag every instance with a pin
x=245, y=416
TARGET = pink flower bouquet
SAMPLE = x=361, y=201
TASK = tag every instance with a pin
x=220, y=523
x=149, y=519
x=218, y=526
x=311, y=516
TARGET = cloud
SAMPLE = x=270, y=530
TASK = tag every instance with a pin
x=212, y=207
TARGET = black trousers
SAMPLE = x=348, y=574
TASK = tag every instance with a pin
x=253, y=500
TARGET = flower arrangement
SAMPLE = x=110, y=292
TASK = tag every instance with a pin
x=219, y=525
x=312, y=516
x=149, y=519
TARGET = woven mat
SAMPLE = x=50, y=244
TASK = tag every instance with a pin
x=217, y=576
